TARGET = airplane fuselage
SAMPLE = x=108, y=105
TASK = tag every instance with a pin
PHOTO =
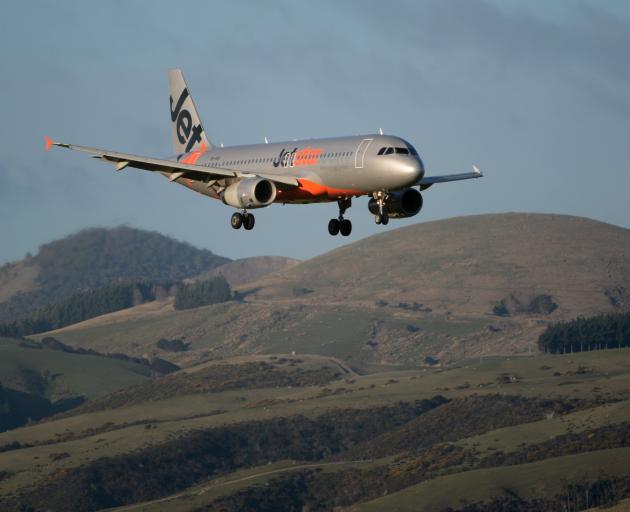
x=384, y=167
x=326, y=169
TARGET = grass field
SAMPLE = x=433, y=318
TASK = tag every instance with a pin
x=360, y=336
x=525, y=480
x=88, y=437
x=55, y=374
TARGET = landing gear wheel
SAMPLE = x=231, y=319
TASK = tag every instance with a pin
x=345, y=227
x=237, y=220
x=248, y=221
x=334, y=226
x=341, y=224
x=381, y=219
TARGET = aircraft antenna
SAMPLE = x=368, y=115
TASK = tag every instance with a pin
x=266, y=141
x=222, y=144
x=380, y=130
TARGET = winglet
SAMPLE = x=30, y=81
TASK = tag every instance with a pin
x=477, y=170
x=48, y=141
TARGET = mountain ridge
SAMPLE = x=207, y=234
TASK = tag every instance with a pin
x=425, y=292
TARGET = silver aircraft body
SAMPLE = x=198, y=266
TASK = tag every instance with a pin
x=385, y=168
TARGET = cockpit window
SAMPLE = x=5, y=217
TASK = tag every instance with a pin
x=412, y=150
x=399, y=151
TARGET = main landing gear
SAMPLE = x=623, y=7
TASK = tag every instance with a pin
x=341, y=225
x=381, y=216
x=247, y=220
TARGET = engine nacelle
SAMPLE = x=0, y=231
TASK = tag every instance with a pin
x=405, y=203
x=250, y=193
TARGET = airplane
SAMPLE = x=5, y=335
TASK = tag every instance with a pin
x=386, y=168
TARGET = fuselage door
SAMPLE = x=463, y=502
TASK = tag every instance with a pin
x=359, y=154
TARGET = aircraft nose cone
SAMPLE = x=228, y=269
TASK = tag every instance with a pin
x=412, y=171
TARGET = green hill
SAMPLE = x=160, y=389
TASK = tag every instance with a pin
x=38, y=381
x=424, y=291
x=94, y=258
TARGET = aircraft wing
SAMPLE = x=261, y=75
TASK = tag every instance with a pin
x=173, y=168
x=427, y=181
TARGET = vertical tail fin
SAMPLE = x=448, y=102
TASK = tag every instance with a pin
x=188, y=133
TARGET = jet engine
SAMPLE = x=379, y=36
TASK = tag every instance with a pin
x=250, y=193
x=405, y=203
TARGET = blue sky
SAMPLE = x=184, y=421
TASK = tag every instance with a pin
x=535, y=93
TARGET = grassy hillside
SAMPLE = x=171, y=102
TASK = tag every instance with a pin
x=246, y=270
x=524, y=481
x=395, y=408
x=434, y=293
x=93, y=258
x=359, y=336
x=37, y=381
x=469, y=264
x=323, y=437
x=55, y=374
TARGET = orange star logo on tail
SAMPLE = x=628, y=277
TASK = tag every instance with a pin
x=193, y=156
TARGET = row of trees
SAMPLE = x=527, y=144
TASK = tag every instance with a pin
x=114, y=297
x=585, y=334
x=82, y=306
x=202, y=293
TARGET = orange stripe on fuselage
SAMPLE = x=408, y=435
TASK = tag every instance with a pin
x=307, y=189
x=307, y=156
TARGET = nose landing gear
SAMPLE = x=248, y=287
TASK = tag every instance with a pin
x=341, y=225
x=381, y=217
x=247, y=220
